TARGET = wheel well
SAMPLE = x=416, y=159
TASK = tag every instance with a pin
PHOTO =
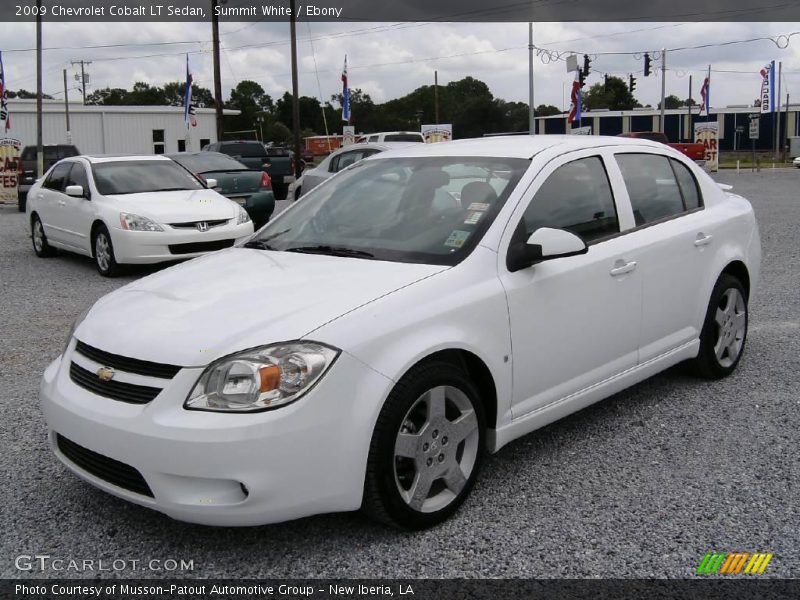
x=738, y=269
x=95, y=226
x=34, y=215
x=480, y=374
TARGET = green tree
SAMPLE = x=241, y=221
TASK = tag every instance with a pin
x=671, y=101
x=613, y=96
x=107, y=96
x=547, y=110
x=173, y=94
x=25, y=94
x=144, y=94
x=253, y=102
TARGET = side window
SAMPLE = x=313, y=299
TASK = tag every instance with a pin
x=55, y=181
x=77, y=176
x=652, y=187
x=688, y=184
x=577, y=197
x=159, y=147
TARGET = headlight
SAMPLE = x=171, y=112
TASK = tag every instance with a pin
x=242, y=217
x=137, y=223
x=261, y=378
x=78, y=320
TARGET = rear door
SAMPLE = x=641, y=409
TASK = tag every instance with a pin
x=49, y=200
x=675, y=237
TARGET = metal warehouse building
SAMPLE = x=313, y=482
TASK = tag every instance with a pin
x=679, y=124
x=114, y=129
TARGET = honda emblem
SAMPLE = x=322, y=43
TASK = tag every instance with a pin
x=202, y=226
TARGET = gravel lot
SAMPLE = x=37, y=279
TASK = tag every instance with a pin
x=643, y=484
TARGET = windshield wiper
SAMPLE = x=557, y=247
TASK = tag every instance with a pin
x=258, y=244
x=331, y=251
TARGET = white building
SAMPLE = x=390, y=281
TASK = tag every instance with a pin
x=114, y=129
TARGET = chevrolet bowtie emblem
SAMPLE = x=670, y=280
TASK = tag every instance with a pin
x=105, y=374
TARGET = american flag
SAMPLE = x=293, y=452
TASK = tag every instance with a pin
x=345, y=94
x=576, y=98
x=188, y=107
x=705, y=94
x=4, y=116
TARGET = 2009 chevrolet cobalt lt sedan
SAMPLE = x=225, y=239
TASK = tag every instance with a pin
x=419, y=308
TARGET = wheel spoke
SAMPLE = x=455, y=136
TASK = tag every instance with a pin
x=719, y=347
x=419, y=490
x=455, y=479
x=739, y=321
x=436, y=403
x=462, y=427
x=720, y=317
x=406, y=445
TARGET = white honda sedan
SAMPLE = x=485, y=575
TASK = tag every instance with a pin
x=130, y=209
x=421, y=307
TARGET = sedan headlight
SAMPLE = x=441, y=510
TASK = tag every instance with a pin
x=78, y=320
x=137, y=223
x=242, y=217
x=261, y=378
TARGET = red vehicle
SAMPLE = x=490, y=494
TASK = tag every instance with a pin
x=696, y=152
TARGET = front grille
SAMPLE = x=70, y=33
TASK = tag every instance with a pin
x=116, y=390
x=200, y=247
x=193, y=224
x=129, y=365
x=107, y=469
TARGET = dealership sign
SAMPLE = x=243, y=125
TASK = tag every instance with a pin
x=708, y=135
x=437, y=133
x=9, y=157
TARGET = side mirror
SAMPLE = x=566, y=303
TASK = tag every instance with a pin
x=544, y=244
x=76, y=191
x=211, y=183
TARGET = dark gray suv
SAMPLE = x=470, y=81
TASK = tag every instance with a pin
x=27, y=167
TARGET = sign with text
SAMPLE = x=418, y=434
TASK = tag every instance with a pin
x=437, y=133
x=754, y=128
x=708, y=135
x=9, y=157
x=348, y=135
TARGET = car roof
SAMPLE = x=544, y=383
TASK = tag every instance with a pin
x=102, y=158
x=517, y=146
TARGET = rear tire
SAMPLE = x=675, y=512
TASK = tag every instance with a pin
x=103, y=251
x=40, y=245
x=724, y=333
x=281, y=190
x=22, y=201
x=426, y=448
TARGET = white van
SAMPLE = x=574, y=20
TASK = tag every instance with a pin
x=394, y=136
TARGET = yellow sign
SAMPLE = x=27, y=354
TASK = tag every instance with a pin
x=9, y=158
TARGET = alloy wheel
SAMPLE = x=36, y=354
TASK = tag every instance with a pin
x=731, y=324
x=102, y=251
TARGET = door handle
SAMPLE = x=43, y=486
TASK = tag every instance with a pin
x=622, y=268
x=703, y=239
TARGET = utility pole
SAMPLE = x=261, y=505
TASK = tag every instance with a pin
x=83, y=64
x=531, y=115
x=689, y=130
x=39, y=145
x=777, y=115
x=436, y=96
x=217, y=74
x=786, y=133
x=66, y=107
x=295, y=96
x=663, y=85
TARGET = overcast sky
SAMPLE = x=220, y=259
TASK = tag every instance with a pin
x=388, y=60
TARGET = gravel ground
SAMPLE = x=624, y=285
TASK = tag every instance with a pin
x=641, y=485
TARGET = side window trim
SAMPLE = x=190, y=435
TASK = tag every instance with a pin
x=698, y=191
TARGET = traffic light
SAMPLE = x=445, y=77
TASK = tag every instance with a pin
x=586, y=64
x=631, y=83
x=581, y=77
x=647, y=62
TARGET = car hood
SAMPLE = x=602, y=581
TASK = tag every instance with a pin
x=196, y=312
x=178, y=206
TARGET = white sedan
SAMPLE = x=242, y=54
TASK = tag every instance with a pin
x=337, y=161
x=130, y=209
x=426, y=305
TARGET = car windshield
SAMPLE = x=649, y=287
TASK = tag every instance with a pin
x=138, y=176
x=206, y=162
x=244, y=149
x=424, y=209
x=403, y=137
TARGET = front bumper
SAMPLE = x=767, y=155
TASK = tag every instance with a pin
x=146, y=247
x=226, y=469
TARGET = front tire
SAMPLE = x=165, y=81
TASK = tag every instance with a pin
x=426, y=448
x=40, y=245
x=724, y=331
x=22, y=201
x=281, y=190
x=104, y=253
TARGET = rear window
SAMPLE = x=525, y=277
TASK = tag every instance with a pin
x=208, y=162
x=244, y=149
x=404, y=137
x=67, y=151
x=652, y=187
x=688, y=185
x=278, y=152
